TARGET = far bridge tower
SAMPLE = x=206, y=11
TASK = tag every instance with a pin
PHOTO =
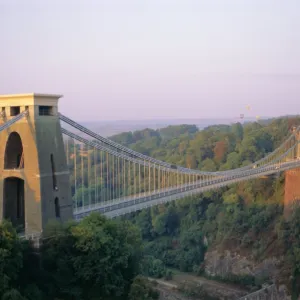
x=292, y=181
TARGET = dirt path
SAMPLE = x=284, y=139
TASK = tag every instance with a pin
x=165, y=283
x=167, y=294
x=211, y=286
x=189, y=277
x=168, y=291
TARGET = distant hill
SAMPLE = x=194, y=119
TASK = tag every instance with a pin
x=109, y=128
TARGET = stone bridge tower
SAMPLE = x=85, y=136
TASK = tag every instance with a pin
x=34, y=184
x=292, y=182
x=297, y=136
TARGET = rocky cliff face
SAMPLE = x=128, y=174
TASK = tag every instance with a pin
x=228, y=264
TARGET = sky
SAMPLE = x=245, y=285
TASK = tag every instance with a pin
x=154, y=59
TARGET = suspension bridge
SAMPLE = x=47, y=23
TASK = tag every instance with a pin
x=120, y=180
x=102, y=176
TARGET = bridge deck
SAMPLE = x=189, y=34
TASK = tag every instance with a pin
x=127, y=205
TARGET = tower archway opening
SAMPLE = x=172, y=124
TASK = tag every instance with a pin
x=14, y=202
x=57, y=208
x=54, y=181
x=14, y=158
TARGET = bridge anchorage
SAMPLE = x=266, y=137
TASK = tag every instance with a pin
x=54, y=168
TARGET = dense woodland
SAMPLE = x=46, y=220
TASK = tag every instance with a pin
x=95, y=259
x=101, y=259
x=246, y=217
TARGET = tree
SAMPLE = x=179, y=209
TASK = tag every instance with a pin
x=95, y=258
x=238, y=130
x=10, y=257
x=141, y=290
x=209, y=165
x=159, y=224
x=144, y=223
x=220, y=151
x=231, y=198
x=233, y=160
x=192, y=248
x=152, y=267
x=12, y=294
x=191, y=161
x=109, y=255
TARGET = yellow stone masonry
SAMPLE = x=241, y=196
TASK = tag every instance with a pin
x=34, y=185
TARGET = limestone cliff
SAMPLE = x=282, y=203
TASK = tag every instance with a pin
x=227, y=264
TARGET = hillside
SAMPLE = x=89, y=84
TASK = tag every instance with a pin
x=236, y=234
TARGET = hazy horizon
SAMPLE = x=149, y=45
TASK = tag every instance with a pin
x=113, y=127
x=145, y=60
x=177, y=119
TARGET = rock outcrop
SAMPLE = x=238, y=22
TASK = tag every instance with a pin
x=227, y=263
x=230, y=264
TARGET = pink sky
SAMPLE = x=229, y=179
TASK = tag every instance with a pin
x=154, y=59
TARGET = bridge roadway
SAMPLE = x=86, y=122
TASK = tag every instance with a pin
x=118, y=207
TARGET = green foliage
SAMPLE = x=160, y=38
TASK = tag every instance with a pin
x=11, y=259
x=12, y=294
x=99, y=258
x=191, y=248
x=218, y=147
x=152, y=267
x=246, y=214
x=141, y=290
x=168, y=275
x=94, y=259
x=144, y=223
